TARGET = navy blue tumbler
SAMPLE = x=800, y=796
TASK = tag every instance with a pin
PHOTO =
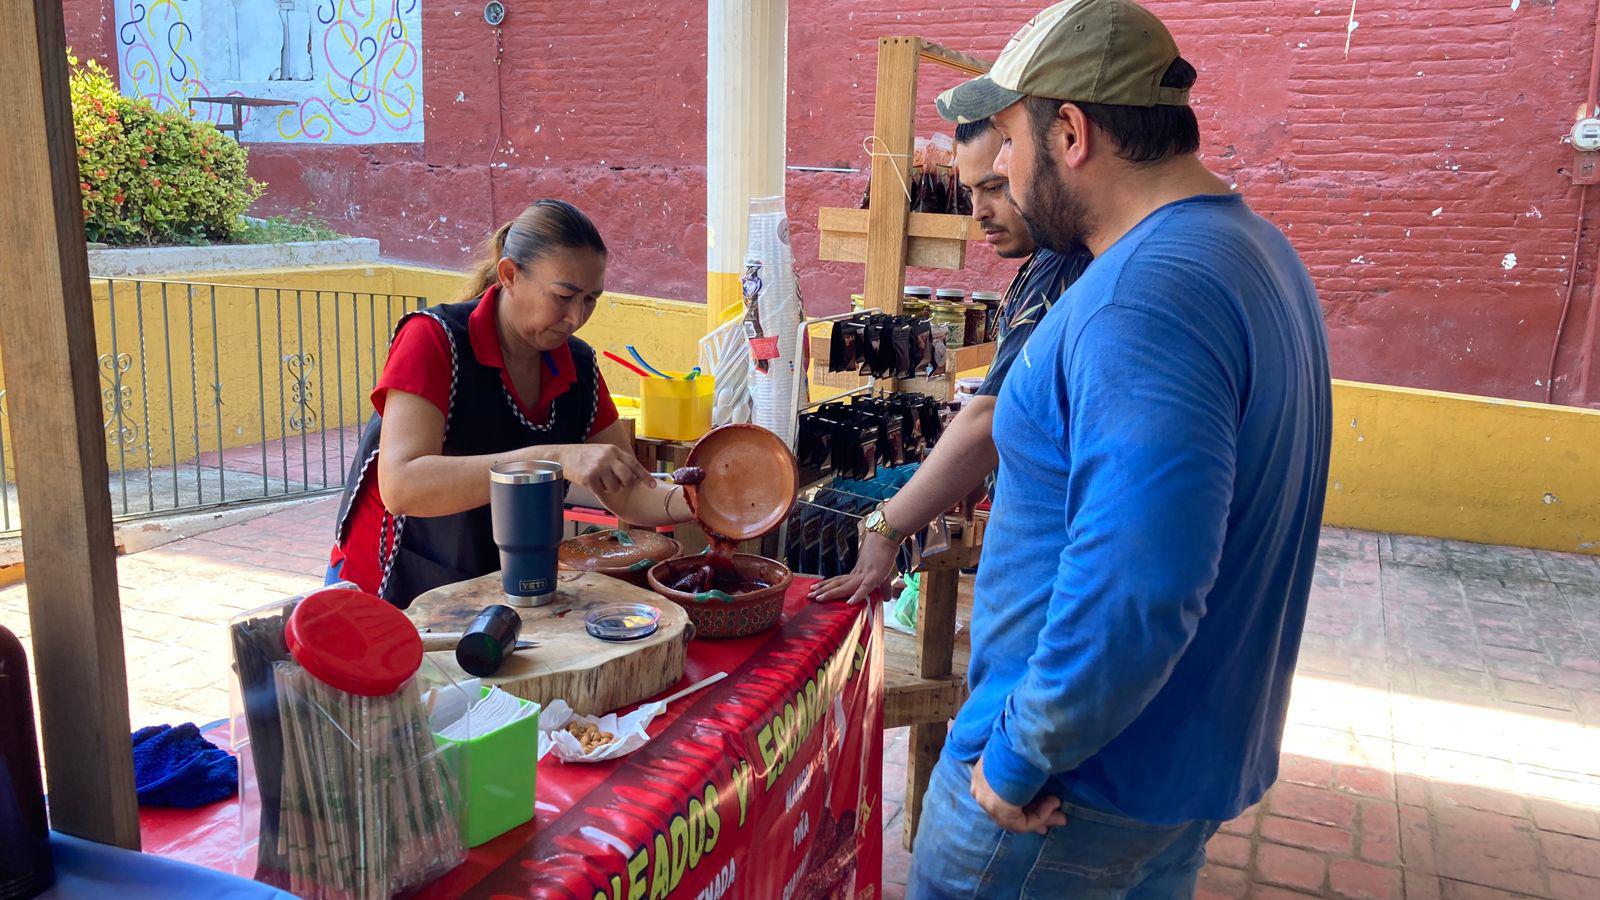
x=525, y=501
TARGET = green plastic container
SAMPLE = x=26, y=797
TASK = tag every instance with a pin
x=497, y=773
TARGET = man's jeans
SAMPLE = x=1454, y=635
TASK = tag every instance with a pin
x=961, y=852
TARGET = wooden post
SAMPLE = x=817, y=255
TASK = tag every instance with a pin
x=936, y=638
x=893, y=126
x=48, y=342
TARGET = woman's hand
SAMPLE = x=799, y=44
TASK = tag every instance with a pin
x=874, y=568
x=602, y=468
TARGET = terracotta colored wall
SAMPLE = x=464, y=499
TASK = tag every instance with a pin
x=1408, y=171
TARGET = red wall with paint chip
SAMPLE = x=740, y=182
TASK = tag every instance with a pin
x=1419, y=173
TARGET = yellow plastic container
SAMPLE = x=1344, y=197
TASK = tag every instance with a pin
x=675, y=410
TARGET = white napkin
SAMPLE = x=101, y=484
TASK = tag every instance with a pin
x=494, y=711
x=628, y=732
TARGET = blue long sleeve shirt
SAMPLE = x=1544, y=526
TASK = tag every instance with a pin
x=1163, y=444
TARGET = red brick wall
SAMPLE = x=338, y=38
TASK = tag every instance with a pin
x=1406, y=172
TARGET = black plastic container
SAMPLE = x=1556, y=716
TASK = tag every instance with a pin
x=25, y=866
x=487, y=642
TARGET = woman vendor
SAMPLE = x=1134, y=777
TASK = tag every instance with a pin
x=495, y=377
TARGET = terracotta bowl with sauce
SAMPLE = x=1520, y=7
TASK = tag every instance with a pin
x=754, y=604
x=625, y=555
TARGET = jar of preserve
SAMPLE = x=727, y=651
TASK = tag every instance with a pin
x=974, y=315
x=954, y=318
x=991, y=314
x=950, y=295
x=915, y=293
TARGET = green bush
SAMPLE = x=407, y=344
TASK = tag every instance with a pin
x=152, y=177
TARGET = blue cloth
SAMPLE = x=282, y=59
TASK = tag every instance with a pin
x=1037, y=285
x=1163, y=446
x=962, y=853
x=87, y=869
x=175, y=766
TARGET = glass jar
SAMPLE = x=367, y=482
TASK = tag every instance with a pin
x=991, y=314
x=951, y=295
x=915, y=293
x=953, y=317
x=974, y=315
x=916, y=309
x=858, y=302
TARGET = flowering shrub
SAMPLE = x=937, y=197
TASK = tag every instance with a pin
x=152, y=177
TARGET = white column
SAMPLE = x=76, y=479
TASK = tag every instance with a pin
x=747, y=58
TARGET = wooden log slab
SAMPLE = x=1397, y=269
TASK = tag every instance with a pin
x=594, y=676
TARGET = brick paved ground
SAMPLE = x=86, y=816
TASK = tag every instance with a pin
x=1444, y=737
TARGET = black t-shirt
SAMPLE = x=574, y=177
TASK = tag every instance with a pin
x=1037, y=286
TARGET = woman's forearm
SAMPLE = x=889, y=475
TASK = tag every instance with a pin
x=439, y=485
x=650, y=504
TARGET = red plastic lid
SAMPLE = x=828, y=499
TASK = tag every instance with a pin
x=354, y=641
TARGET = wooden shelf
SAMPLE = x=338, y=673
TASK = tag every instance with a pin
x=974, y=357
x=934, y=240
x=955, y=59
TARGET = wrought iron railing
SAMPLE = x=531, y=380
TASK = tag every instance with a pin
x=219, y=394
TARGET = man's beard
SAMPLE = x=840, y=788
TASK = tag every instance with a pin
x=1056, y=217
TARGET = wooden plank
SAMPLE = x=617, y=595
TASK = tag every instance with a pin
x=921, y=253
x=893, y=126
x=953, y=560
x=48, y=344
x=975, y=356
x=955, y=59
x=923, y=700
x=936, y=620
x=927, y=740
x=926, y=225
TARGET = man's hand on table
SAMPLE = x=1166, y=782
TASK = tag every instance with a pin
x=874, y=568
x=1038, y=817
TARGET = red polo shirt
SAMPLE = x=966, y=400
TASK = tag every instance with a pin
x=419, y=363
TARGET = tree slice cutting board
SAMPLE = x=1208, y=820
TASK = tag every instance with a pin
x=594, y=676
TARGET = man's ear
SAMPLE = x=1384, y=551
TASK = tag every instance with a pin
x=1077, y=136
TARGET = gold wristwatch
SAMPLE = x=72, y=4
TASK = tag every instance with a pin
x=876, y=523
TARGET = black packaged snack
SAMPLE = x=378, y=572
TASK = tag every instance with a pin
x=844, y=346
x=880, y=360
x=904, y=361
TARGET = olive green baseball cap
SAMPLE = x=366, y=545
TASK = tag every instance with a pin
x=1085, y=51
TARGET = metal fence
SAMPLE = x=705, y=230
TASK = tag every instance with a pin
x=220, y=394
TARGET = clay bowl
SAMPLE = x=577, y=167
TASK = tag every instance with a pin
x=750, y=482
x=717, y=616
x=624, y=555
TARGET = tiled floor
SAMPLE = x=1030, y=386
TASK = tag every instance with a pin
x=1444, y=736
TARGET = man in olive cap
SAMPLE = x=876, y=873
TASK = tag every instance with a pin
x=1163, y=441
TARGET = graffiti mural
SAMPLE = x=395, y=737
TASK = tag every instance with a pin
x=351, y=69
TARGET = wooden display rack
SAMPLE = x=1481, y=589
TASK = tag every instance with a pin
x=924, y=674
x=887, y=236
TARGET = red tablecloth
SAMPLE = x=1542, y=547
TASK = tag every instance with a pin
x=767, y=785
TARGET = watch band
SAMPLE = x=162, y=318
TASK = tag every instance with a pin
x=877, y=523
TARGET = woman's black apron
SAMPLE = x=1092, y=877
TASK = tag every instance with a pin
x=419, y=553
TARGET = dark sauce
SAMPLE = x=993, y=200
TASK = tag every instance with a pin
x=717, y=572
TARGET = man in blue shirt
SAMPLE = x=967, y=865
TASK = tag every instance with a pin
x=964, y=456
x=1163, y=443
